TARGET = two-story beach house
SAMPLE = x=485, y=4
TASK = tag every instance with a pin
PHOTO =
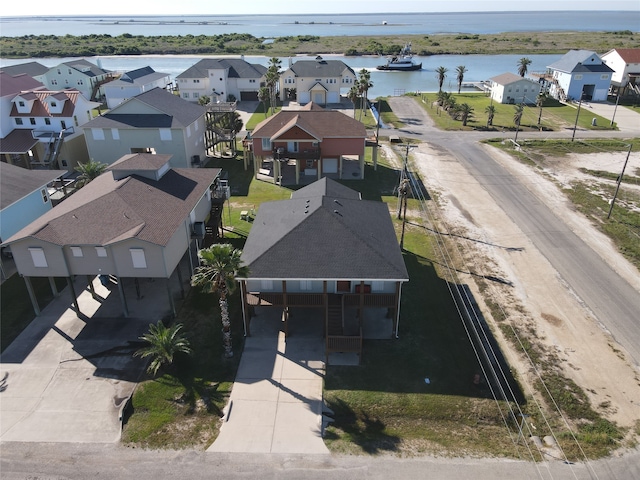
x=135, y=221
x=326, y=248
x=511, y=88
x=319, y=81
x=307, y=144
x=155, y=121
x=78, y=74
x=625, y=63
x=580, y=74
x=222, y=80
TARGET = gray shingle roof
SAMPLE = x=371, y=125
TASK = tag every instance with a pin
x=317, y=235
x=108, y=210
x=16, y=182
x=33, y=69
x=88, y=68
x=320, y=68
x=238, y=68
x=173, y=112
x=141, y=76
x=574, y=62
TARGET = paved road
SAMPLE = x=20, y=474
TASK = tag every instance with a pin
x=613, y=301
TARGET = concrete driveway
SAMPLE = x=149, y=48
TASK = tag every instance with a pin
x=276, y=401
x=67, y=377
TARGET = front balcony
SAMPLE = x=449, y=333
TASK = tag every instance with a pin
x=281, y=153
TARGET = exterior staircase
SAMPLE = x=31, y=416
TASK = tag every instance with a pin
x=335, y=325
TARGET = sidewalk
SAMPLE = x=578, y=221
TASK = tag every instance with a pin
x=276, y=401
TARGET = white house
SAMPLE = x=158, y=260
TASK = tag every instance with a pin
x=134, y=83
x=511, y=88
x=319, y=81
x=79, y=74
x=152, y=122
x=220, y=79
x=625, y=63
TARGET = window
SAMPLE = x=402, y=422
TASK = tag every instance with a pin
x=47, y=121
x=604, y=76
x=115, y=134
x=54, y=81
x=59, y=72
x=266, y=144
x=138, y=258
x=54, y=104
x=37, y=255
x=21, y=103
x=185, y=95
x=577, y=77
x=101, y=252
x=305, y=285
x=165, y=134
x=195, y=80
x=252, y=80
x=69, y=71
x=63, y=124
x=45, y=196
x=76, y=251
x=97, y=133
x=18, y=121
x=80, y=82
x=75, y=120
x=32, y=121
x=196, y=94
x=266, y=284
x=189, y=131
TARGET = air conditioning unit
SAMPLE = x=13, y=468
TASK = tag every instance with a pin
x=198, y=230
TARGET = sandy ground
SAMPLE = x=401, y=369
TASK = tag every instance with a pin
x=534, y=294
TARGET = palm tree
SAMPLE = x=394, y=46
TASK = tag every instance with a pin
x=523, y=66
x=540, y=99
x=353, y=95
x=491, y=112
x=441, y=74
x=263, y=96
x=365, y=85
x=465, y=113
x=220, y=264
x=163, y=344
x=89, y=171
x=272, y=77
x=204, y=100
x=460, y=70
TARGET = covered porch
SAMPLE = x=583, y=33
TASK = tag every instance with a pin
x=294, y=171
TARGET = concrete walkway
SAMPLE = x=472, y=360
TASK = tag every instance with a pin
x=276, y=401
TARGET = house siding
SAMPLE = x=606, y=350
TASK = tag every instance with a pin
x=21, y=213
x=56, y=262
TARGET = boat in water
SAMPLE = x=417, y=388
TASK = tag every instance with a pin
x=402, y=62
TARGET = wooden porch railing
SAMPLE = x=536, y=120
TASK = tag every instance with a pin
x=344, y=344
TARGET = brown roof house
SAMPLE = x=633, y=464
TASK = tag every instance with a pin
x=137, y=220
x=301, y=146
x=326, y=248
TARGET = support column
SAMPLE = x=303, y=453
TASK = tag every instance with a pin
x=286, y=308
x=361, y=162
x=74, y=296
x=54, y=287
x=374, y=157
x=123, y=299
x=179, y=272
x=32, y=295
x=361, y=310
x=171, y=303
x=91, y=289
x=245, y=309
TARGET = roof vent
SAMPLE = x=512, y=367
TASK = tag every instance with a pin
x=337, y=212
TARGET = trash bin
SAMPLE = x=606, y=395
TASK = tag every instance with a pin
x=594, y=122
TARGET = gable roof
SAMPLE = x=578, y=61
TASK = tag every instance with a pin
x=14, y=84
x=238, y=68
x=33, y=69
x=41, y=108
x=140, y=76
x=573, y=62
x=85, y=67
x=20, y=140
x=320, y=68
x=508, y=78
x=324, y=232
x=173, y=112
x=107, y=210
x=629, y=55
x=16, y=182
x=316, y=121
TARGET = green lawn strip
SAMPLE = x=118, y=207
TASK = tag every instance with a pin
x=555, y=115
x=16, y=309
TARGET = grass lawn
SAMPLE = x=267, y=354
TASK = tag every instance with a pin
x=555, y=115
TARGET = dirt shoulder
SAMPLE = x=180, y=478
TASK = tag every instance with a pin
x=533, y=295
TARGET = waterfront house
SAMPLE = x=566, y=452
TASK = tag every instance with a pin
x=580, y=74
x=326, y=248
x=511, y=88
x=308, y=143
x=34, y=69
x=625, y=63
x=136, y=220
x=222, y=80
x=78, y=74
x=132, y=83
x=319, y=81
x=155, y=121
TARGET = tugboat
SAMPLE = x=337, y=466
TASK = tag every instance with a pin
x=402, y=62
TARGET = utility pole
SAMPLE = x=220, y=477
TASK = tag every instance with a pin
x=619, y=182
x=575, y=126
x=403, y=176
x=615, y=108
